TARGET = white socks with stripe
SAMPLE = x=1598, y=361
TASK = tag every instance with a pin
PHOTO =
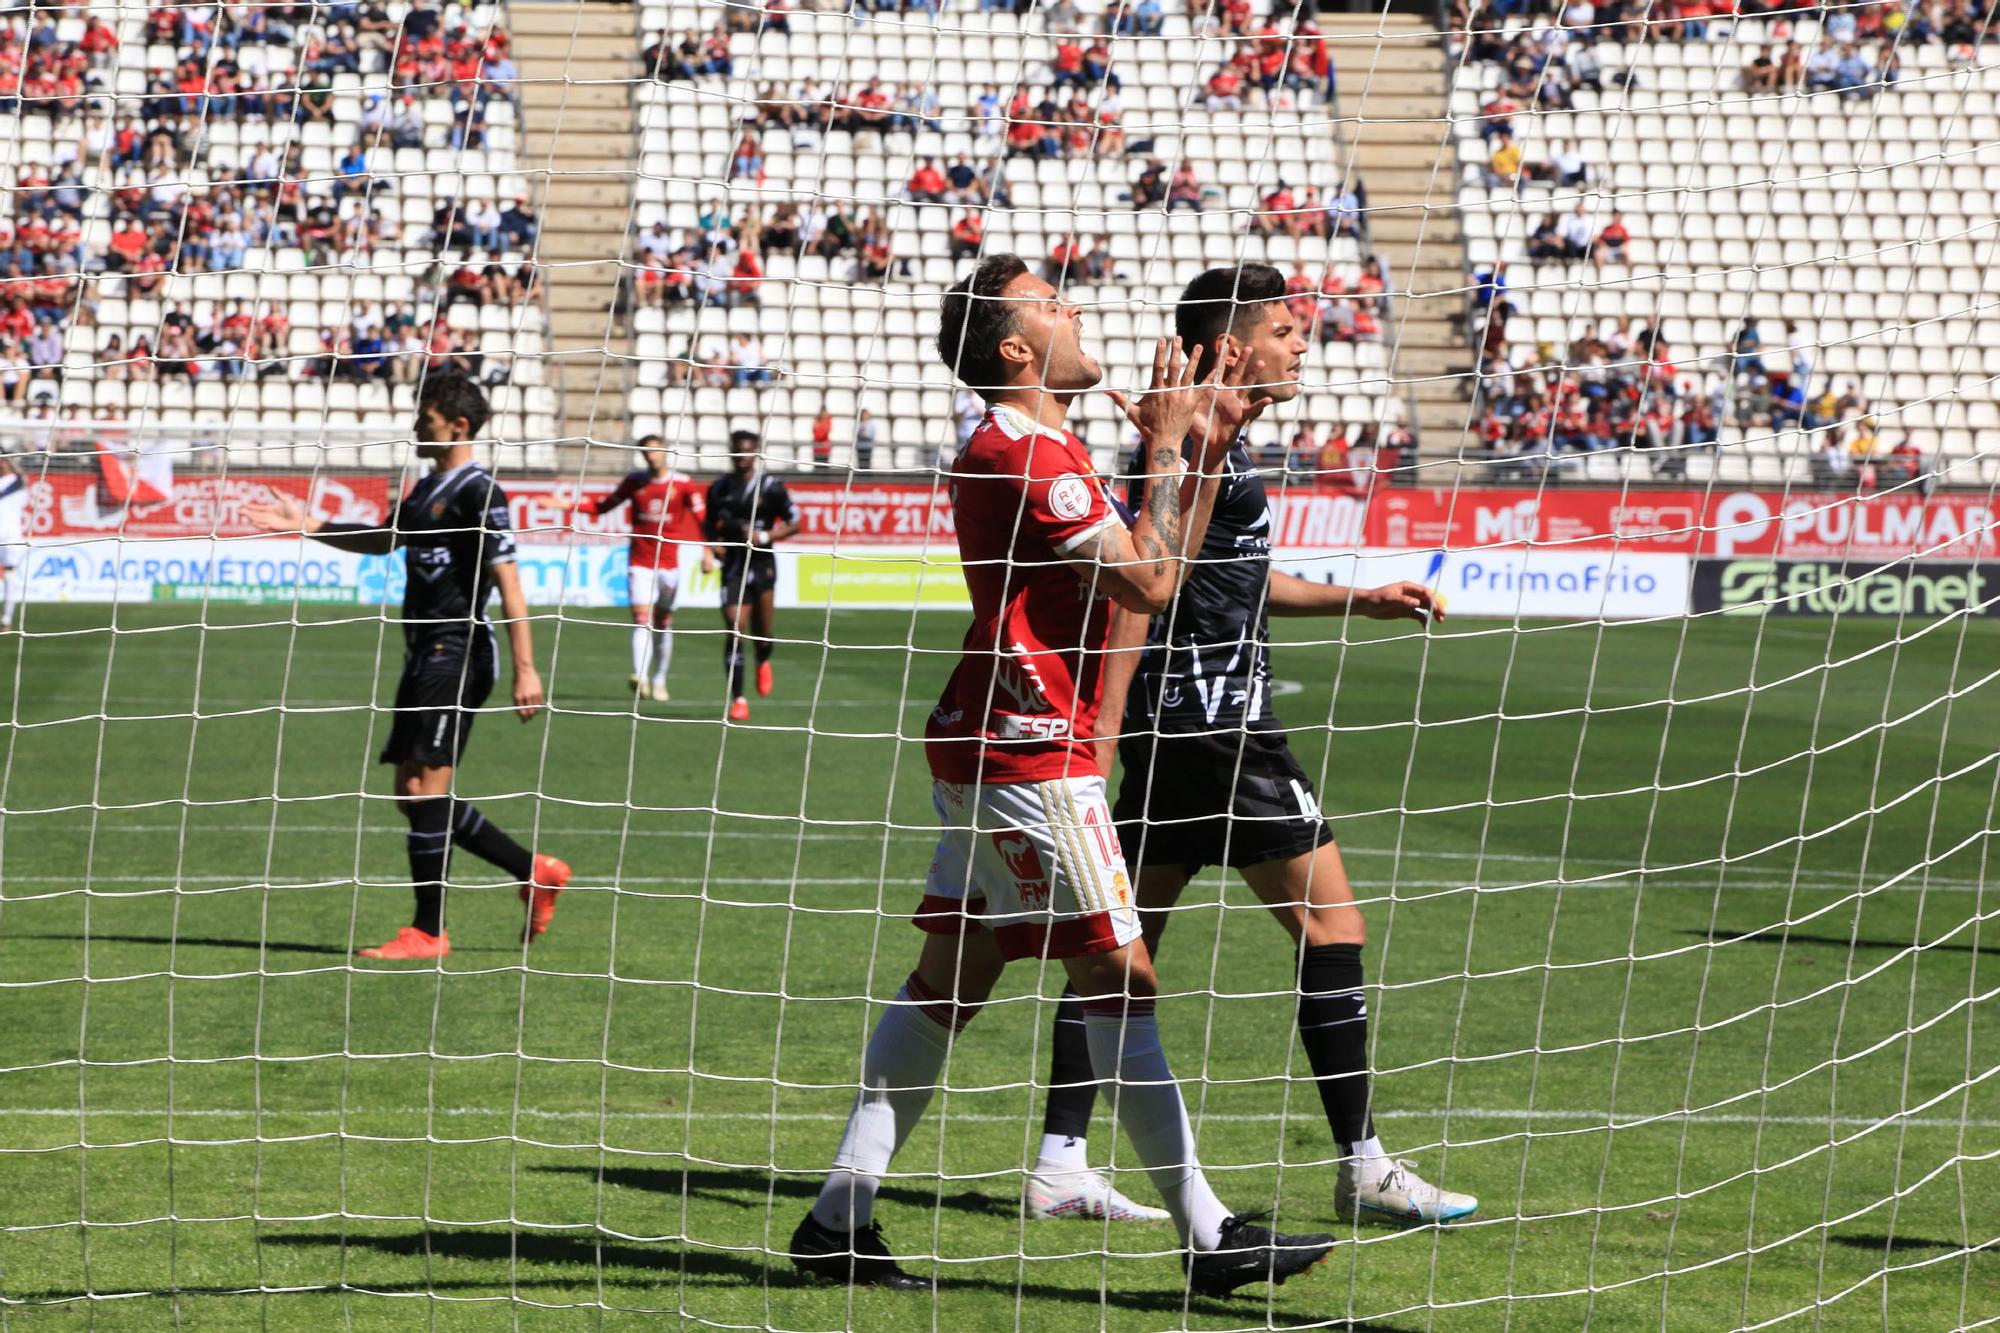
x=663, y=654
x=1125, y=1052
x=898, y=1074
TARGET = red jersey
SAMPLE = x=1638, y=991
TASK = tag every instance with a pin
x=664, y=511
x=1022, y=704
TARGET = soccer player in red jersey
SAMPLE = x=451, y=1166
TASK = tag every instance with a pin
x=667, y=509
x=1028, y=863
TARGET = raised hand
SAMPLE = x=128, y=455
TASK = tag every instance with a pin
x=1226, y=404
x=1165, y=413
x=278, y=512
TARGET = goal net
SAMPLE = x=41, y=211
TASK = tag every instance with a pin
x=1654, y=340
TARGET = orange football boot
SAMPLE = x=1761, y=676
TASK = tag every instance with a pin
x=549, y=878
x=411, y=943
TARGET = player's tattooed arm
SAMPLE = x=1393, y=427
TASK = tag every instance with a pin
x=1163, y=506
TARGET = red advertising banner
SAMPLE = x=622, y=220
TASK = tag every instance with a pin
x=1806, y=525
x=74, y=505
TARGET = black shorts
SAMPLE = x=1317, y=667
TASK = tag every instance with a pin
x=747, y=574
x=443, y=683
x=1230, y=798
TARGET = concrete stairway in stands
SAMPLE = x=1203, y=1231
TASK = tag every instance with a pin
x=577, y=141
x=1394, y=96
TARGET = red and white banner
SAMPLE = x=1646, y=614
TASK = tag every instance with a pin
x=73, y=505
x=1806, y=525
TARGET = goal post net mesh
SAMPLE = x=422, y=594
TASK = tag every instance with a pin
x=1654, y=339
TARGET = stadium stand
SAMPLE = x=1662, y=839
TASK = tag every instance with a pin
x=849, y=166
x=250, y=225
x=1801, y=215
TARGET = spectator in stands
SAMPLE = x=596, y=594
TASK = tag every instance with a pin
x=1576, y=233
x=1503, y=167
x=1066, y=65
x=747, y=161
x=519, y=223
x=927, y=184
x=780, y=231
x=667, y=61
x=1224, y=90
x=822, y=438
x=869, y=108
x=1761, y=74
x=1567, y=167
x=1184, y=189
x=45, y=350
x=1151, y=186
x=746, y=362
x=1611, y=243
x=1906, y=463
x=1748, y=348
x=1832, y=467
x=967, y=234
x=1854, y=77
x=1544, y=244
x=1823, y=68
x=875, y=257
x=865, y=436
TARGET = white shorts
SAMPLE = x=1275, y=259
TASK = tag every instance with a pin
x=1037, y=863
x=654, y=588
x=13, y=555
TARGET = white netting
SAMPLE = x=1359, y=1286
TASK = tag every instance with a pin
x=1671, y=839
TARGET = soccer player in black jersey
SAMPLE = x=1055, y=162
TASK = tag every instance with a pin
x=1210, y=780
x=748, y=512
x=453, y=525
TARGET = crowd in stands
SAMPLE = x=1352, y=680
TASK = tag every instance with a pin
x=1856, y=55
x=1349, y=460
x=1620, y=386
x=263, y=198
x=1073, y=108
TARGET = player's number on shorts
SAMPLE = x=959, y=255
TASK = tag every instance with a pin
x=1099, y=824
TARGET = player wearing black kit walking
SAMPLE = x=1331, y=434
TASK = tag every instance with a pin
x=1210, y=780
x=454, y=530
x=748, y=512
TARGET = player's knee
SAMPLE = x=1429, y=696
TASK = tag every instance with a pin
x=1342, y=924
x=1124, y=973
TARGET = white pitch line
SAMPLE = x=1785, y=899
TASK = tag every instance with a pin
x=1601, y=1118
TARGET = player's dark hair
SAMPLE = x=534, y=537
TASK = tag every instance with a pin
x=455, y=396
x=1225, y=300
x=973, y=322
x=648, y=442
x=741, y=437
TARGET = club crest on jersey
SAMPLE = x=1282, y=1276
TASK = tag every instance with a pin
x=1069, y=497
x=1024, y=863
x=437, y=510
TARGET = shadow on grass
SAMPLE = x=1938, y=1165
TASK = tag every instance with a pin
x=746, y=1189
x=218, y=942
x=192, y=941
x=1835, y=941
x=1896, y=1245
x=697, y=1266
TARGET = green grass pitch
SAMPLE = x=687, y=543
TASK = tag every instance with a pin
x=613, y=1134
